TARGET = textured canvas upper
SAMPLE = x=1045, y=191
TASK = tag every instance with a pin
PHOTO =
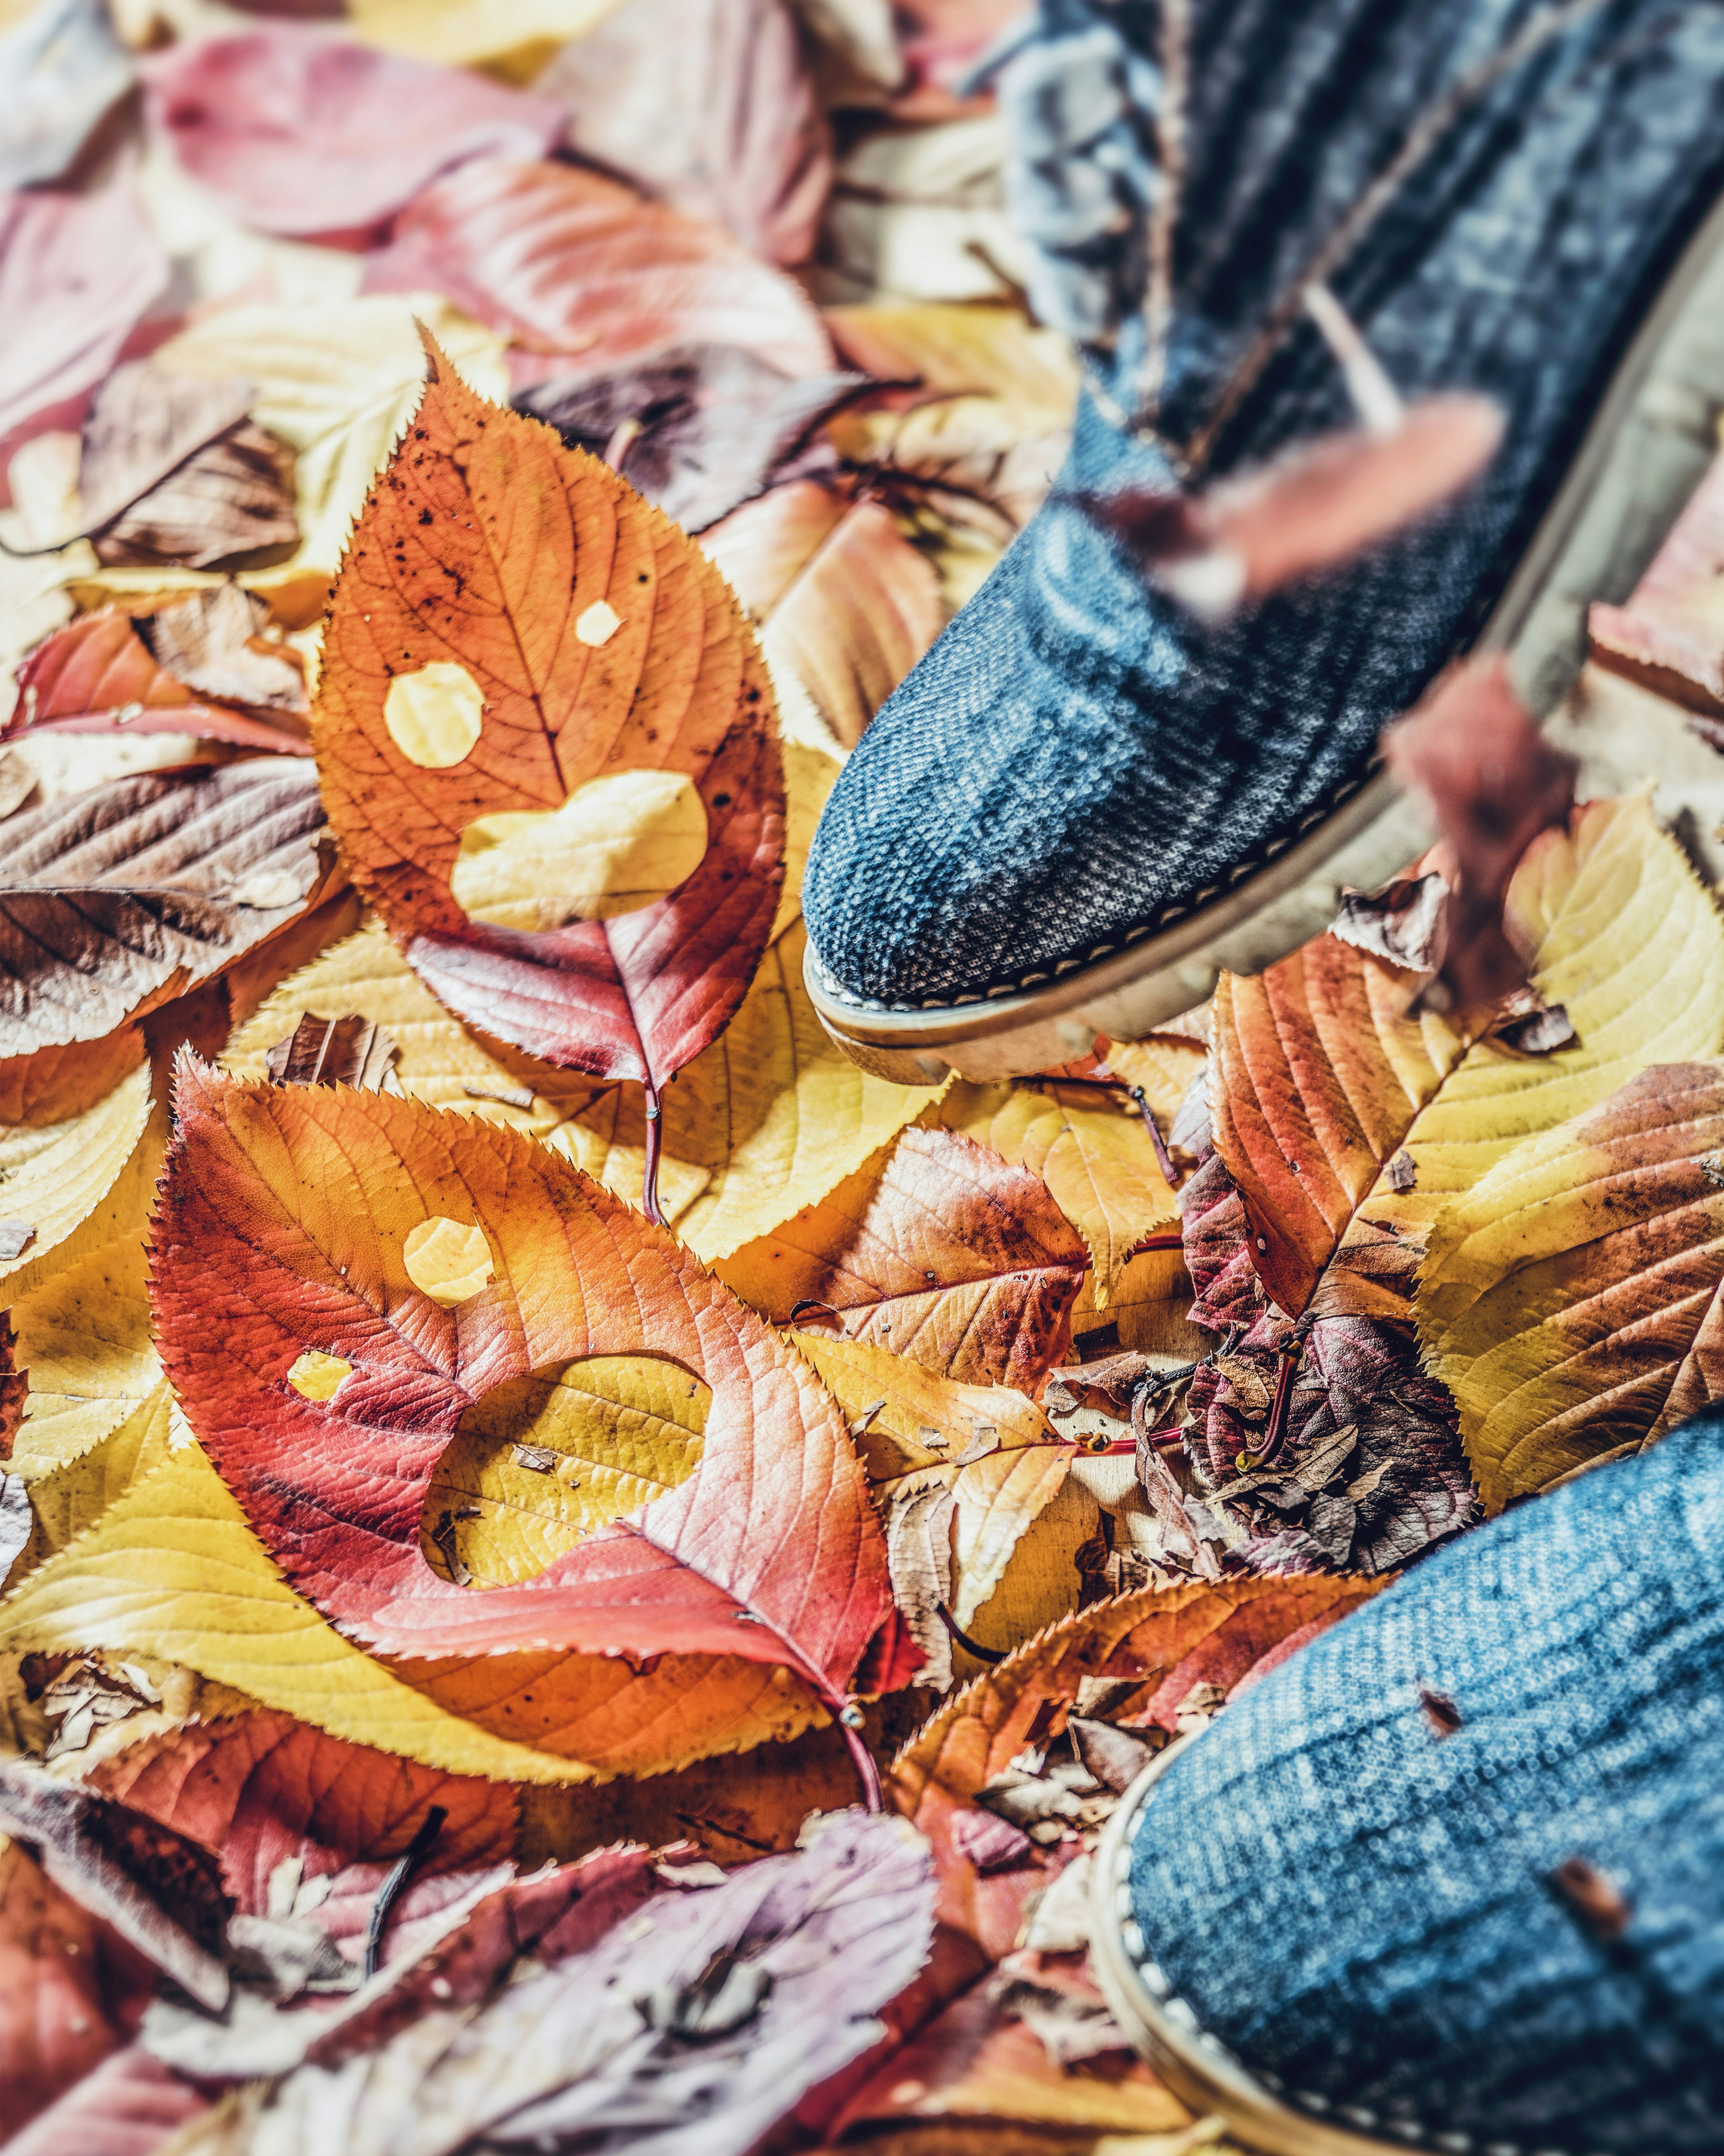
x=1363, y=1906
x=1076, y=757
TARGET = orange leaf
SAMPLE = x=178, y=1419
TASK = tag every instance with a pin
x=579, y=271
x=513, y=625
x=458, y=1271
x=1320, y=1071
x=943, y=1253
x=1166, y=1640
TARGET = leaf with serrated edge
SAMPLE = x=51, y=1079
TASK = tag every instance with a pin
x=57, y=1176
x=287, y=1222
x=589, y=639
x=1092, y=1152
x=768, y=1119
x=1571, y=1298
x=1164, y=1639
x=896, y=1405
x=1321, y=1067
x=935, y=1249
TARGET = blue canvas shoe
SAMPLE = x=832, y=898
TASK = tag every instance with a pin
x=1452, y=1877
x=1084, y=800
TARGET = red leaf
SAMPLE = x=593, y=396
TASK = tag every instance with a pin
x=130, y=2105
x=259, y=1787
x=76, y=273
x=579, y=271
x=298, y=132
x=769, y=1552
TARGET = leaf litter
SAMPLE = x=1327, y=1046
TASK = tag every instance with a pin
x=578, y=1571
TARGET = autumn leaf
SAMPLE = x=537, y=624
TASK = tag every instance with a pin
x=98, y=675
x=1665, y=636
x=338, y=383
x=694, y=433
x=1090, y=1146
x=113, y=901
x=934, y=1248
x=1165, y=1641
x=465, y=33
x=905, y=1416
x=1570, y=1298
x=569, y=265
x=1321, y=1064
x=1606, y=911
x=298, y=132
x=626, y=687
x=707, y=105
x=535, y=1274
x=76, y=272
x=130, y=2105
x=261, y=1790
x=749, y=1991
x=71, y=1991
x=69, y=1184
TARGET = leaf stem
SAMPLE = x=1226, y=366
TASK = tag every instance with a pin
x=969, y=1646
x=1164, y=1159
x=649, y=1174
x=395, y=1880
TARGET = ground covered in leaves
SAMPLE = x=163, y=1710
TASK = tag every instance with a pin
x=577, y=1572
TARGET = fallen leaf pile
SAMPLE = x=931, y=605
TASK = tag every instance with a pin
x=577, y=1573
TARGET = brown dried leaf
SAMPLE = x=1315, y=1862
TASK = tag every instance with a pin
x=334, y=1051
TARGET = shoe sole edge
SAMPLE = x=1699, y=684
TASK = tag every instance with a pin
x=1539, y=621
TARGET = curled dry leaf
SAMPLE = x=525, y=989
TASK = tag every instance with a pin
x=1473, y=748
x=935, y=1249
x=1312, y=507
x=696, y=2018
x=1607, y=912
x=706, y=105
x=297, y=132
x=173, y=470
x=1091, y=1148
x=64, y=68
x=76, y=273
x=437, y=1314
x=695, y=433
x=114, y=899
x=1570, y=1299
x=1666, y=635
x=573, y=269
x=1162, y=1642
x=499, y=697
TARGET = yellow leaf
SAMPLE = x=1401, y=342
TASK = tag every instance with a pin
x=1147, y=1309
x=621, y=841
x=450, y=1261
x=172, y=1570
x=84, y=1336
x=904, y=1415
x=998, y=1500
x=547, y=1458
x=71, y=1494
x=809, y=776
x=1571, y=1299
x=767, y=1120
x=1092, y=1152
x=77, y=1182
x=1165, y=1066
x=1615, y=916
x=339, y=381
x=459, y=32
x=994, y=351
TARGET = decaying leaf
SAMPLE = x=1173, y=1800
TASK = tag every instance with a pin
x=299, y=132
x=76, y=272
x=547, y=669
x=572, y=268
x=1471, y=747
x=69, y=1987
x=720, y=2004
x=430, y=1337
x=338, y=384
x=694, y=433
x=1570, y=1298
x=348, y=1050
x=1091, y=1149
x=706, y=105
x=934, y=1248
x=1164, y=1642
x=114, y=899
